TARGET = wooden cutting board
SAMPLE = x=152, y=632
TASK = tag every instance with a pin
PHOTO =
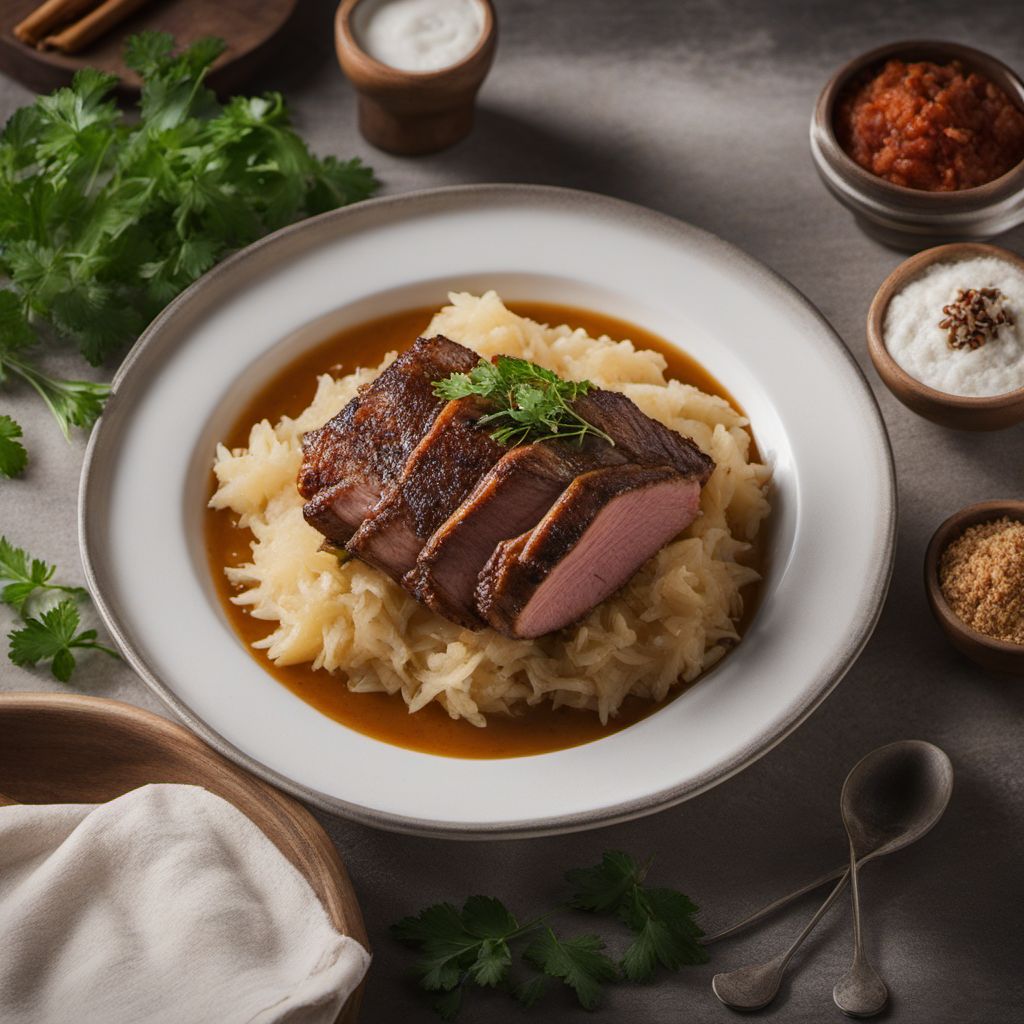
x=249, y=27
x=66, y=748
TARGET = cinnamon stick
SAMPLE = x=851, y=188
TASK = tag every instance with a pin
x=97, y=22
x=49, y=16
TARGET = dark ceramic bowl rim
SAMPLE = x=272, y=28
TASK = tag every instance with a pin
x=947, y=532
x=824, y=111
x=909, y=270
x=343, y=24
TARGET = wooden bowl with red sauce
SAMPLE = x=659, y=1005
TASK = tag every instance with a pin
x=899, y=216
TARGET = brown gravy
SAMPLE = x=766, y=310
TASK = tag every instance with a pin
x=539, y=729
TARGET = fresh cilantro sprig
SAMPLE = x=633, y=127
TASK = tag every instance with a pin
x=52, y=637
x=47, y=633
x=28, y=578
x=73, y=403
x=532, y=403
x=662, y=920
x=474, y=946
x=104, y=220
x=13, y=457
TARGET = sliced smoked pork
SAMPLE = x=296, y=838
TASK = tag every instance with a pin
x=522, y=486
x=641, y=439
x=349, y=461
x=442, y=469
x=601, y=530
x=509, y=499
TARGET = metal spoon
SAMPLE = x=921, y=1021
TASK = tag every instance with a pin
x=890, y=799
x=874, y=800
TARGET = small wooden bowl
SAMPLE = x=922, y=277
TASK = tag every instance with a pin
x=996, y=655
x=66, y=748
x=410, y=112
x=994, y=412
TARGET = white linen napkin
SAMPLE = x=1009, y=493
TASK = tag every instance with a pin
x=165, y=906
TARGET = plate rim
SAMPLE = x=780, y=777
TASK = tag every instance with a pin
x=793, y=716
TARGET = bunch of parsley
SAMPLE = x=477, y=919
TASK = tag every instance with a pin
x=49, y=614
x=104, y=220
x=473, y=946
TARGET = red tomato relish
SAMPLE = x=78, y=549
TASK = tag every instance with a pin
x=936, y=127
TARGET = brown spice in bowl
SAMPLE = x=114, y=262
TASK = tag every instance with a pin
x=981, y=575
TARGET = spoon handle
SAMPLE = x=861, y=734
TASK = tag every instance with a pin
x=858, y=944
x=771, y=908
x=821, y=912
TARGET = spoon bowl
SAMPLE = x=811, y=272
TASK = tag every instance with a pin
x=894, y=795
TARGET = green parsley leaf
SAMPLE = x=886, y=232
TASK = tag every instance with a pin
x=531, y=403
x=28, y=577
x=448, y=948
x=477, y=945
x=448, y=1004
x=665, y=933
x=530, y=991
x=581, y=963
x=73, y=403
x=662, y=920
x=13, y=457
x=603, y=888
x=52, y=637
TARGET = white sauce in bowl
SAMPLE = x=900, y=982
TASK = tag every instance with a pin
x=913, y=337
x=418, y=35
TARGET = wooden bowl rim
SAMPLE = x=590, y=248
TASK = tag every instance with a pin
x=947, y=531
x=971, y=56
x=345, y=37
x=334, y=872
x=893, y=375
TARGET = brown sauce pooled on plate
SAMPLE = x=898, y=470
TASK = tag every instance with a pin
x=539, y=729
x=935, y=127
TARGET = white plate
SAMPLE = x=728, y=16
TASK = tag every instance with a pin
x=832, y=525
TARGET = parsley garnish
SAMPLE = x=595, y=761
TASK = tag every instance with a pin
x=474, y=946
x=533, y=404
x=28, y=577
x=47, y=633
x=13, y=457
x=104, y=220
x=661, y=919
x=52, y=637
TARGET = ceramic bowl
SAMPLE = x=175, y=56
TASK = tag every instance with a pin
x=994, y=412
x=997, y=655
x=413, y=112
x=908, y=218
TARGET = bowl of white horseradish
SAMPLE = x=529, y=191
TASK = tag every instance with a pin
x=416, y=66
x=946, y=335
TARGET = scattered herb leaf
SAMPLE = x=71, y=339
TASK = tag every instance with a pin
x=476, y=945
x=47, y=633
x=532, y=403
x=13, y=457
x=52, y=637
x=662, y=920
x=581, y=963
x=28, y=577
